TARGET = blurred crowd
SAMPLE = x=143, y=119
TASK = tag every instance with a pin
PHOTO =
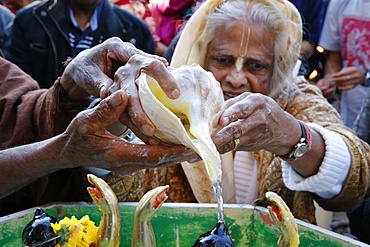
x=38, y=36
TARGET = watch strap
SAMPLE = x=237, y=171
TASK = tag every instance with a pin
x=366, y=81
x=305, y=138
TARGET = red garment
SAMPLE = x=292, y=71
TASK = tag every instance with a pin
x=140, y=9
x=13, y=8
x=171, y=16
x=29, y=114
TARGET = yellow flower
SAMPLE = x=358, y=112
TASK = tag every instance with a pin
x=76, y=233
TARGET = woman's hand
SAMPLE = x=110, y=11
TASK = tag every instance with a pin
x=259, y=123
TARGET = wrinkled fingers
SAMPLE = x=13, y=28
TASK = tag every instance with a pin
x=153, y=67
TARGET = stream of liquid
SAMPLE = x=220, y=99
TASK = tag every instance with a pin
x=220, y=202
x=219, y=235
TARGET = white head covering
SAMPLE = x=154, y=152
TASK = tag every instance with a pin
x=191, y=46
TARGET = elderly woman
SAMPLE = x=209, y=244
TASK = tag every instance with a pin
x=288, y=138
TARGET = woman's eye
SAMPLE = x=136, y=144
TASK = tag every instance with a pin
x=256, y=66
x=222, y=60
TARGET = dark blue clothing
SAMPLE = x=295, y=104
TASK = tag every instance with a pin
x=359, y=221
x=6, y=20
x=82, y=39
x=312, y=13
x=39, y=42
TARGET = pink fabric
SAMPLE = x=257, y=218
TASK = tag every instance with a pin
x=355, y=45
x=141, y=10
x=173, y=7
x=171, y=16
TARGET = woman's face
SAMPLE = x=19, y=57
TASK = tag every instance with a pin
x=240, y=56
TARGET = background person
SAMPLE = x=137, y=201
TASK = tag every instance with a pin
x=312, y=13
x=141, y=9
x=46, y=33
x=345, y=36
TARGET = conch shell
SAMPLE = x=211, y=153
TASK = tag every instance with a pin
x=192, y=118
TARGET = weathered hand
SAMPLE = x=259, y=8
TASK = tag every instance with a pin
x=259, y=123
x=134, y=116
x=91, y=71
x=87, y=138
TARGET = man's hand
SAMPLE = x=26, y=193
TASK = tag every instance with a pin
x=134, y=117
x=327, y=86
x=349, y=77
x=87, y=142
x=91, y=71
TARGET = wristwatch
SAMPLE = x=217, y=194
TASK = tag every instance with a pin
x=366, y=81
x=302, y=146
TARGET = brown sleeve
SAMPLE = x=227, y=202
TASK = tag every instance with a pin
x=28, y=113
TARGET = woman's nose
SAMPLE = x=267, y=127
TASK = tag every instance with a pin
x=237, y=78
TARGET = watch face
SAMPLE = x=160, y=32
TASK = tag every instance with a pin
x=301, y=149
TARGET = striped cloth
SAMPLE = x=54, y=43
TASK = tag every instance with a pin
x=245, y=175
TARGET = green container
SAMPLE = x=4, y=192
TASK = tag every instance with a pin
x=180, y=224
